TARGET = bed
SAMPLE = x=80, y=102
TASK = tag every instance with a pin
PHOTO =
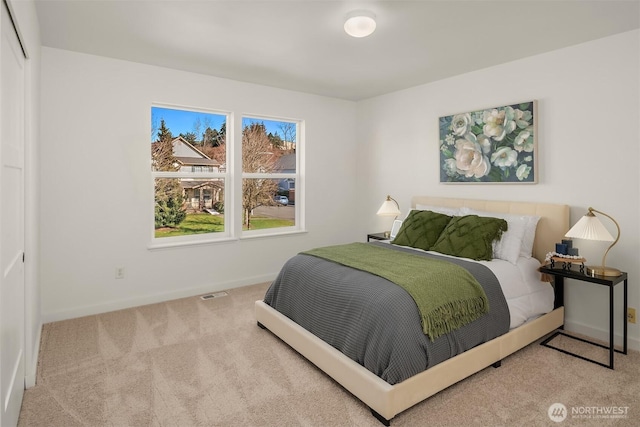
x=387, y=398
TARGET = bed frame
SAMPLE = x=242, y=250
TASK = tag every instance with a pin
x=386, y=400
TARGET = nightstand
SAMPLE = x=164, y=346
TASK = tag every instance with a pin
x=559, y=276
x=377, y=236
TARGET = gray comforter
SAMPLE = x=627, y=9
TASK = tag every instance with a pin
x=375, y=322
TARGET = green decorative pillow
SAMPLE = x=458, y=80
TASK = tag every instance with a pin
x=470, y=236
x=421, y=229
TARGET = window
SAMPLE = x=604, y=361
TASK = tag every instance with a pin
x=269, y=173
x=188, y=157
x=193, y=175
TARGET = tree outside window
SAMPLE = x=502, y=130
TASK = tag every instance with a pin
x=269, y=166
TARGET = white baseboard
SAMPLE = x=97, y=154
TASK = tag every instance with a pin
x=633, y=343
x=152, y=298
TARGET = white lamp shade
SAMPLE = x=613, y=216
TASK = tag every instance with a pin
x=389, y=208
x=590, y=228
x=360, y=23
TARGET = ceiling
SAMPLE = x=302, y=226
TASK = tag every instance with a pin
x=301, y=45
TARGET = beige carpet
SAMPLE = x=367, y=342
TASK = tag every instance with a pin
x=190, y=362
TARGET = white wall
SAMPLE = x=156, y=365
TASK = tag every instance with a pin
x=588, y=151
x=97, y=199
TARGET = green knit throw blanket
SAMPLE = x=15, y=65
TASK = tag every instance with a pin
x=447, y=295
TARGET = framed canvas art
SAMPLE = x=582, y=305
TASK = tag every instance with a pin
x=494, y=145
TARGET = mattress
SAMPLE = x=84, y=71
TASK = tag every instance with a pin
x=375, y=322
x=527, y=296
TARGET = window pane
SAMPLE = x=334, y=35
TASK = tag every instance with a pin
x=188, y=206
x=187, y=141
x=268, y=146
x=267, y=203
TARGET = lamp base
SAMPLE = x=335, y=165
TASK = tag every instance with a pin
x=603, y=271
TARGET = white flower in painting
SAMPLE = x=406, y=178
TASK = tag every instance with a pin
x=499, y=123
x=523, y=172
x=528, y=159
x=450, y=167
x=470, y=161
x=504, y=157
x=450, y=139
x=482, y=140
x=524, y=141
x=523, y=118
x=485, y=143
x=460, y=124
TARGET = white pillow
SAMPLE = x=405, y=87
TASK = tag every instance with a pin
x=397, y=224
x=509, y=246
x=529, y=236
x=439, y=209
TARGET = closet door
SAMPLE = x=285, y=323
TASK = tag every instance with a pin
x=12, y=297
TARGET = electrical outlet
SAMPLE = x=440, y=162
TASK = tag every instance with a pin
x=119, y=272
x=631, y=315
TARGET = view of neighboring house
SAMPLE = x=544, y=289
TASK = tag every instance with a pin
x=287, y=164
x=191, y=159
x=199, y=194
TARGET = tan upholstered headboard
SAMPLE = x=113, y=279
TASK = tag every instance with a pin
x=553, y=224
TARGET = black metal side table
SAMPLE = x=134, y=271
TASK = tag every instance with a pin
x=559, y=276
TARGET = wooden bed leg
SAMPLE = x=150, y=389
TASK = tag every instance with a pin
x=380, y=418
x=497, y=364
x=261, y=325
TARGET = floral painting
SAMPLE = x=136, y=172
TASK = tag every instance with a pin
x=494, y=145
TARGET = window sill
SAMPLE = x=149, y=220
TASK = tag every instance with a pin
x=272, y=234
x=168, y=245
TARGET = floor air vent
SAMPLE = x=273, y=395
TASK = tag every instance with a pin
x=214, y=295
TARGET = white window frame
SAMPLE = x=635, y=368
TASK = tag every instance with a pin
x=299, y=225
x=204, y=238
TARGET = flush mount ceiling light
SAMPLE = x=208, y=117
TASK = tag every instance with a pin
x=360, y=23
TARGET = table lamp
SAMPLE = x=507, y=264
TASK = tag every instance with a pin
x=590, y=228
x=390, y=207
